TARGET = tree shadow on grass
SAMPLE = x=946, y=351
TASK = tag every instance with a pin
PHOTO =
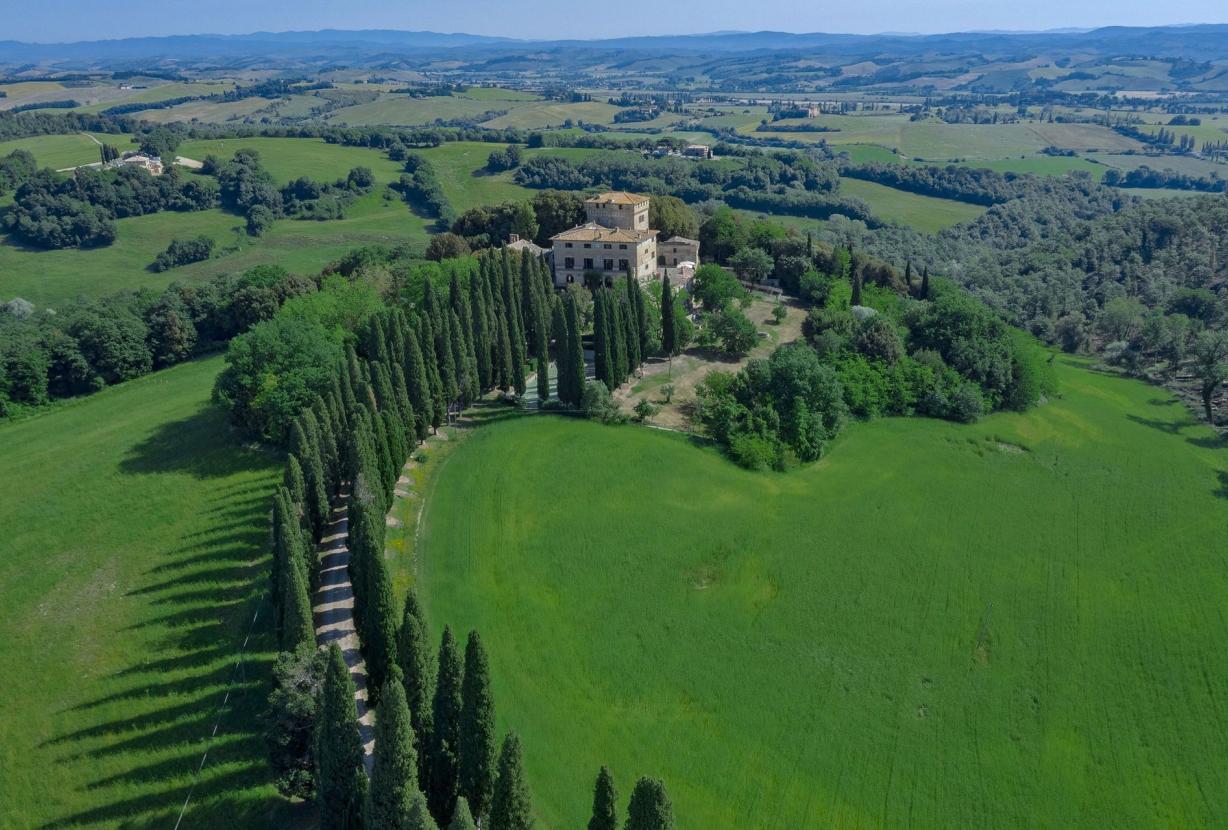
x=201, y=444
x=1222, y=491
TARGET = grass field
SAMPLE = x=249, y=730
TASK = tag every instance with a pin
x=54, y=277
x=134, y=562
x=1017, y=623
x=928, y=214
x=60, y=151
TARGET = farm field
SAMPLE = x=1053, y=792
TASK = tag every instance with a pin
x=1010, y=624
x=60, y=151
x=1042, y=165
x=161, y=92
x=1181, y=164
x=928, y=214
x=134, y=563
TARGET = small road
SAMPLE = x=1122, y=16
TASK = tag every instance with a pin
x=333, y=612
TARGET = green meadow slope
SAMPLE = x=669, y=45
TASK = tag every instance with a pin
x=1017, y=623
x=134, y=561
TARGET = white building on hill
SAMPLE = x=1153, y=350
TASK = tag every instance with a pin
x=615, y=240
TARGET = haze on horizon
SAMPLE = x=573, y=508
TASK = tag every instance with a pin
x=74, y=20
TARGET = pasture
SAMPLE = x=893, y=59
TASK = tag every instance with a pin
x=928, y=214
x=61, y=151
x=1016, y=623
x=135, y=562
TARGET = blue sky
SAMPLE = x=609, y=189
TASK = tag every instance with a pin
x=61, y=20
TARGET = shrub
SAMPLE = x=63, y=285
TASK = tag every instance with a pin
x=183, y=252
x=599, y=405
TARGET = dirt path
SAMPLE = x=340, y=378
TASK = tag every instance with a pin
x=333, y=611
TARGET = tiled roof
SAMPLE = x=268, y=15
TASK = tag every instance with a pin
x=618, y=197
x=681, y=240
x=592, y=232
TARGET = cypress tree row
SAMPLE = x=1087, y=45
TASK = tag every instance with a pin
x=511, y=807
x=605, y=803
x=435, y=761
x=394, y=774
x=476, y=770
x=445, y=731
x=341, y=781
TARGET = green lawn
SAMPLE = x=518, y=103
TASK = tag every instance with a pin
x=134, y=561
x=60, y=151
x=928, y=214
x=1017, y=623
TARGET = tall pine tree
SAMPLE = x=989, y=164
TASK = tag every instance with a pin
x=575, y=356
x=445, y=731
x=669, y=334
x=418, y=675
x=512, y=807
x=605, y=803
x=341, y=780
x=477, y=729
x=394, y=774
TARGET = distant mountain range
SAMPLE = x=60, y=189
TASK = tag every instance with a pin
x=1197, y=42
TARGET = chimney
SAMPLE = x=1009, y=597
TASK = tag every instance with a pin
x=513, y=238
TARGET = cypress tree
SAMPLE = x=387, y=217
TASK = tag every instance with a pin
x=381, y=628
x=481, y=332
x=330, y=453
x=341, y=781
x=601, y=339
x=445, y=730
x=476, y=769
x=394, y=774
x=419, y=817
x=925, y=283
x=466, y=369
x=439, y=403
x=462, y=819
x=650, y=807
x=515, y=326
x=669, y=335
x=383, y=455
x=405, y=410
x=396, y=442
x=605, y=803
x=297, y=625
x=558, y=326
x=417, y=674
x=376, y=342
x=511, y=808
x=908, y=276
x=418, y=386
x=297, y=487
x=313, y=474
x=618, y=342
x=639, y=316
x=632, y=338
x=575, y=357
x=504, y=370
x=855, y=276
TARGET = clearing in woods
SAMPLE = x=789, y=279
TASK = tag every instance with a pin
x=936, y=625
